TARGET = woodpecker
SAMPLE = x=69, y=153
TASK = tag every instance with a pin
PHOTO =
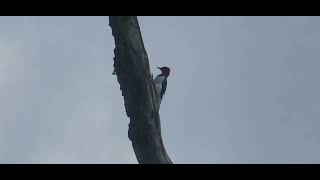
x=161, y=84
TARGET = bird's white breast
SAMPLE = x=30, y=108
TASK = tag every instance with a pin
x=158, y=83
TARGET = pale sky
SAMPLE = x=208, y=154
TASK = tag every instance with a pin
x=241, y=90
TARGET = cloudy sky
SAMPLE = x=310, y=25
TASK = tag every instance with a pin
x=241, y=90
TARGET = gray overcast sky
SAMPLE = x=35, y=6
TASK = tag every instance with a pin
x=242, y=89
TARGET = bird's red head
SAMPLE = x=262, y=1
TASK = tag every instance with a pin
x=165, y=71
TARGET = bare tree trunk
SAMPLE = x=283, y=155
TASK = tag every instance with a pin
x=131, y=66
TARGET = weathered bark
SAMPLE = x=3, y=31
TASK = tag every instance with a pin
x=131, y=66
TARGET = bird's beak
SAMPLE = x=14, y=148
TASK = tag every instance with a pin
x=159, y=68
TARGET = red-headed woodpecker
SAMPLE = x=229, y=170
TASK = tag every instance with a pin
x=161, y=84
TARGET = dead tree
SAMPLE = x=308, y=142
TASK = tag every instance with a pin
x=131, y=65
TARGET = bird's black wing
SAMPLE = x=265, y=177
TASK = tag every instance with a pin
x=163, y=89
